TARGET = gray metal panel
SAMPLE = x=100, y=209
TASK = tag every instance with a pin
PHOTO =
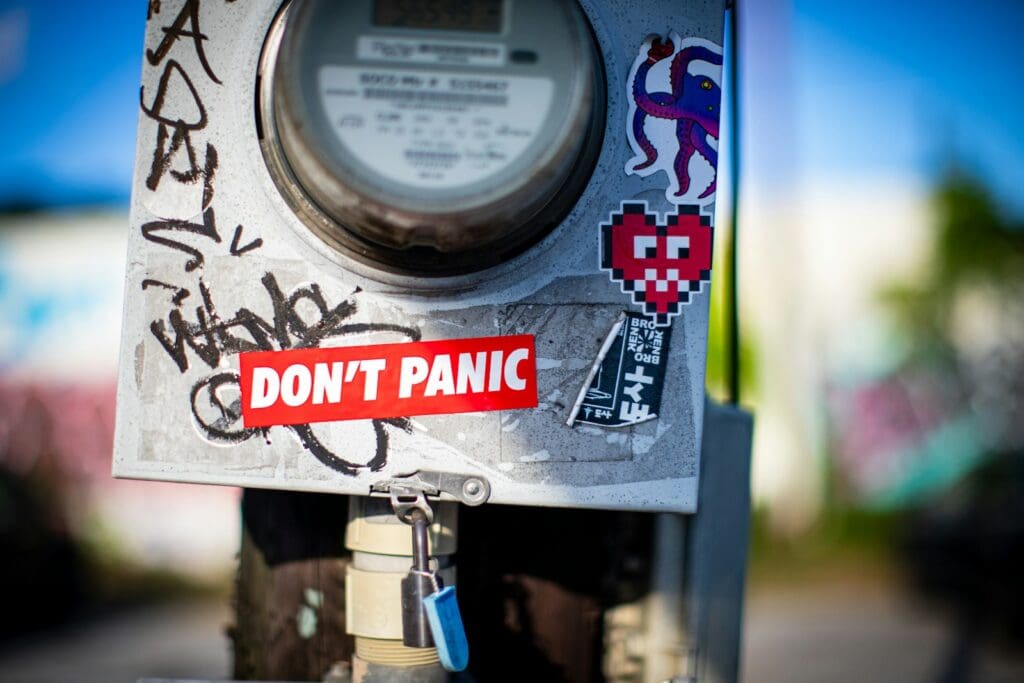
x=200, y=287
x=716, y=545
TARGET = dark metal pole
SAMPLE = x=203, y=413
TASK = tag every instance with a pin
x=733, y=352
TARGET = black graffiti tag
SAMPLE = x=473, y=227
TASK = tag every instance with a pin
x=210, y=336
x=206, y=228
x=217, y=410
x=216, y=399
x=189, y=14
x=178, y=119
x=174, y=130
x=300, y=318
x=180, y=293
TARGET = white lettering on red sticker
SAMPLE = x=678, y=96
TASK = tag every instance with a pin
x=388, y=380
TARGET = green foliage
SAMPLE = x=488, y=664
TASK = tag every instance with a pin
x=719, y=333
x=844, y=540
x=974, y=242
x=975, y=248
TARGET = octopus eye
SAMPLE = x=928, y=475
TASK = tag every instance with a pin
x=705, y=84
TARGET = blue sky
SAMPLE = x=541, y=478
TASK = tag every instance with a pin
x=69, y=83
x=905, y=88
x=833, y=90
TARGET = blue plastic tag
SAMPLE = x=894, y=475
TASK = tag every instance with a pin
x=446, y=627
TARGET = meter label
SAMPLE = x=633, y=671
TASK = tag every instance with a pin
x=423, y=51
x=387, y=380
x=624, y=387
x=675, y=94
x=661, y=264
x=434, y=129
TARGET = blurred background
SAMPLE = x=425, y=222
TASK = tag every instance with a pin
x=882, y=306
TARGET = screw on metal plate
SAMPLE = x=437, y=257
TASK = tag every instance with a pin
x=470, y=490
x=475, y=491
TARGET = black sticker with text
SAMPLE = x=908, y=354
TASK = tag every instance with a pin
x=626, y=389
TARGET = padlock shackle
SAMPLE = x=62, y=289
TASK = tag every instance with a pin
x=420, y=545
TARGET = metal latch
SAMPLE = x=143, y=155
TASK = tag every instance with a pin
x=470, y=490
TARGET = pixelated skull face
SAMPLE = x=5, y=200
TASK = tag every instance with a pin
x=659, y=264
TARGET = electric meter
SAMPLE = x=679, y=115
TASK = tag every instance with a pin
x=432, y=136
x=461, y=243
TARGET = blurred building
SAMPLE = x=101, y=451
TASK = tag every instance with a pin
x=61, y=282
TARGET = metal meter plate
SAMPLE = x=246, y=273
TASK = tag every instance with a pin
x=606, y=304
x=474, y=142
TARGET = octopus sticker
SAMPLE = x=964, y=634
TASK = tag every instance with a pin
x=660, y=263
x=674, y=101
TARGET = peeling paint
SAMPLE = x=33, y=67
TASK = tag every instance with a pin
x=140, y=360
x=539, y=456
x=588, y=429
x=642, y=444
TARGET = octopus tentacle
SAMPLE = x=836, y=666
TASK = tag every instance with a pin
x=657, y=104
x=699, y=139
x=643, y=141
x=686, y=149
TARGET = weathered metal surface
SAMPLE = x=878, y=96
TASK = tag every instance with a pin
x=716, y=548
x=219, y=263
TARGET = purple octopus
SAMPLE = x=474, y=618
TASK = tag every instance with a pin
x=693, y=104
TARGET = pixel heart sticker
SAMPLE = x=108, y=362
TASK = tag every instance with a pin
x=660, y=264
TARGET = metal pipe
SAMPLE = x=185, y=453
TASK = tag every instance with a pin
x=383, y=550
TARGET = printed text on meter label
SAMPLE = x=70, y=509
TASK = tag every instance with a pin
x=388, y=380
x=434, y=129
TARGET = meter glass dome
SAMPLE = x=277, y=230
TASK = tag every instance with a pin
x=431, y=136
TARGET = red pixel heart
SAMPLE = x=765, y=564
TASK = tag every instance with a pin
x=660, y=265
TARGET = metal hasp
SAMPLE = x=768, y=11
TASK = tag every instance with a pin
x=716, y=546
x=468, y=490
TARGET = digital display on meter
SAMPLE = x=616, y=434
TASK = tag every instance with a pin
x=448, y=15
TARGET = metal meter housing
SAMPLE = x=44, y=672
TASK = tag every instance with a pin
x=259, y=225
x=427, y=141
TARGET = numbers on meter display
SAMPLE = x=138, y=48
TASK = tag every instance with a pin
x=450, y=15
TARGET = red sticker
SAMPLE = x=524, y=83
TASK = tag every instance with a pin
x=388, y=380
